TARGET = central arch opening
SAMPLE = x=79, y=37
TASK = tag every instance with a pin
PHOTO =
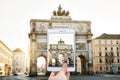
x=41, y=65
x=81, y=64
x=61, y=59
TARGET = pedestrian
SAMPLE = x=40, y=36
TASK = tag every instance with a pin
x=63, y=74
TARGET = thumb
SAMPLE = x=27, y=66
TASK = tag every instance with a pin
x=64, y=68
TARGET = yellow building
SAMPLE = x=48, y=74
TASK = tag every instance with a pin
x=106, y=53
x=5, y=60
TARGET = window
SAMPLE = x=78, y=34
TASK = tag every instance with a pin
x=111, y=53
x=116, y=42
x=118, y=67
x=117, y=53
x=99, y=48
x=100, y=60
x=106, y=61
x=99, y=41
x=105, y=48
x=100, y=68
x=106, y=68
x=117, y=48
x=112, y=61
x=106, y=54
x=111, y=48
x=118, y=60
x=105, y=42
x=111, y=42
x=99, y=53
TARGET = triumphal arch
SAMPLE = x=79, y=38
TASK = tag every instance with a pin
x=38, y=41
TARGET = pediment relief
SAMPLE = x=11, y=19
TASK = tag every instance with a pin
x=41, y=46
x=78, y=27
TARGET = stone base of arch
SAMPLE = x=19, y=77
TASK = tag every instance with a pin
x=33, y=70
x=33, y=74
x=90, y=68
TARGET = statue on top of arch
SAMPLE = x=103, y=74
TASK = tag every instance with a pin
x=60, y=12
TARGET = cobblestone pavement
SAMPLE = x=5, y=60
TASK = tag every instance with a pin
x=73, y=77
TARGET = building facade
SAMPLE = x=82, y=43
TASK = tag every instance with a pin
x=6, y=57
x=106, y=53
x=38, y=41
x=19, y=62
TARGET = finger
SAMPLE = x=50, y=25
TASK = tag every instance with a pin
x=64, y=68
x=52, y=74
x=68, y=75
x=55, y=73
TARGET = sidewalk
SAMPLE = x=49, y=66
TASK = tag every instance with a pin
x=108, y=75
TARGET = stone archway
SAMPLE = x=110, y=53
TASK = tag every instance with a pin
x=81, y=64
x=61, y=58
x=41, y=65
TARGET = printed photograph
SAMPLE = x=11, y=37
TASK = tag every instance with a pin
x=60, y=49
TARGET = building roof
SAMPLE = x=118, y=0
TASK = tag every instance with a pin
x=5, y=45
x=108, y=36
x=17, y=50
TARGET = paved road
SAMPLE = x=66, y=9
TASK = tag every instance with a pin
x=14, y=78
x=73, y=77
x=94, y=77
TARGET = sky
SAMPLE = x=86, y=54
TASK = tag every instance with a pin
x=56, y=35
x=15, y=16
x=54, y=38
